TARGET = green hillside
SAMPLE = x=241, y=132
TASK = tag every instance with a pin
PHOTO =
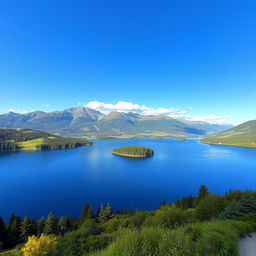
x=243, y=135
x=206, y=225
x=133, y=151
x=24, y=139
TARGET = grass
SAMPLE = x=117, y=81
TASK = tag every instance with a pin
x=215, y=238
x=11, y=253
x=30, y=144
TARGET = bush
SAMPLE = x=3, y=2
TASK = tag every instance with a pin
x=78, y=243
x=90, y=227
x=39, y=246
x=170, y=217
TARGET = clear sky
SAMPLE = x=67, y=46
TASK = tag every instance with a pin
x=196, y=56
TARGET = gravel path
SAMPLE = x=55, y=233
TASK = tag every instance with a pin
x=247, y=245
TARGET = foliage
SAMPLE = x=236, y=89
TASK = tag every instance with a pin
x=187, y=227
x=39, y=246
x=246, y=206
x=79, y=243
x=35, y=140
x=210, y=207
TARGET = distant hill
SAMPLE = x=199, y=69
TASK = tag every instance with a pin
x=83, y=121
x=24, y=139
x=243, y=135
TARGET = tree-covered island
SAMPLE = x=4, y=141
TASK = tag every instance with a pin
x=24, y=139
x=133, y=151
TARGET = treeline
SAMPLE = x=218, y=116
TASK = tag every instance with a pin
x=17, y=230
x=19, y=135
x=62, y=143
x=7, y=145
x=138, y=151
x=206, y=224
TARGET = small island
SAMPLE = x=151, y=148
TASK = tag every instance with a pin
x=133, y=151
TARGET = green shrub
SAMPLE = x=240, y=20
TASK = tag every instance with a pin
x=217, y=244
x=90, y=227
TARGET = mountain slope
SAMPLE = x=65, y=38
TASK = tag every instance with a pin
x=243, y=135
x=83, y=121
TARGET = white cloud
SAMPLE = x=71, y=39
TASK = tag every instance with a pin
x=123, y=106
x=19, y=111
x=210, y=119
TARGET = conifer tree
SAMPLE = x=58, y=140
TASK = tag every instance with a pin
x=25, y=228
x=108, y=211
x=203, y=192
x=2, y=234
x=41, y=226
x=13, y=230
x=86, y=213
x=63, y=225
x=51, y=225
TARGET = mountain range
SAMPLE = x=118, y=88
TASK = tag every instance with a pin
x=82, y=121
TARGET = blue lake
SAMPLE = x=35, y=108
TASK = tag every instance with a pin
x=60, y=181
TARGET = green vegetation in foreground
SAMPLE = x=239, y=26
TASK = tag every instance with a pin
x=133, y=151
x=243, y=135
x=206, y=225
x=18, y=139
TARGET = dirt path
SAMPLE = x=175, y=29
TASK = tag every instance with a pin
x=247, y=245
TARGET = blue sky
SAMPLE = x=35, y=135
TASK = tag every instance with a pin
x=195, y=56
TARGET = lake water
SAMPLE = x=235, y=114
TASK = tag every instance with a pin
x=60, y=181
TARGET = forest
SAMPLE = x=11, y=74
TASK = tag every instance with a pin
x=133, y=151
x=18, y=139
x=207, y=224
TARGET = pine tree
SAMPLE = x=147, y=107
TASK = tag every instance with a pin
x=63, y=225
x=41, y=226
x=86, y=213
x=51, y=225
x=248, y=204
x=25, y=228
x=232, y=211
x=101, y=213
x=2, y=234
x=237, y=209
x=13, y=230
x=203, y=192
x=108, y=211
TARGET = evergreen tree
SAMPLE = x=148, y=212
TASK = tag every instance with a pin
x=25, y=229
x=101, y=213
x=248, y=204
x=232, y=211
x=108, y=211
x=203, y=192
x=51, y=224
x=63, y=225
x=236, y=209
x=13, y=230
x=41, y=226
x=86, y=213
x=2, y=234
